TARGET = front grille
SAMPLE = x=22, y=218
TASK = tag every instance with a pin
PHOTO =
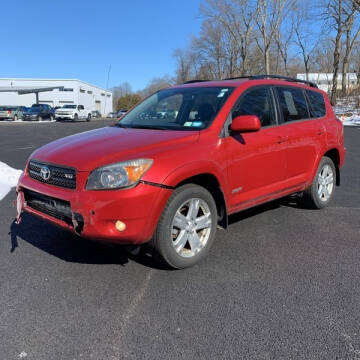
x=59, y=176
x=56, y=208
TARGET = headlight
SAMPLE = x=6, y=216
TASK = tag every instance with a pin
x=119, y=175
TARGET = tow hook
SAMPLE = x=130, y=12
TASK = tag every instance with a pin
x=78, y=222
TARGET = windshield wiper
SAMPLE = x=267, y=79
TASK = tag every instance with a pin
x=151, y=127
x=122, y=126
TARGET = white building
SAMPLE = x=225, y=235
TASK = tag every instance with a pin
x=324, y=80
x=69, y=91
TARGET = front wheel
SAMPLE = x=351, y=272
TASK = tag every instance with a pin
x=51, y=118
x=15, y=118
x=88, y=118
x=321, y=191
x=187, y=227
x=39, y=118
x=76, y=117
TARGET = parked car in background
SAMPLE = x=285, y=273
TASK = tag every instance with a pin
x=11, y=112
x=39, y=112
x=220, y=147
x=121, y=113
x=73, y=113
x=96, y=114
x=112, y=115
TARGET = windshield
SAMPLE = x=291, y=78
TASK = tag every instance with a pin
x=69, y=107
x=178, y=109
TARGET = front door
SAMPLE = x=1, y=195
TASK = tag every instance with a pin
x=256, y=159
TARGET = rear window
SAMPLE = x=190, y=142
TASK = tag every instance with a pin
x=292, y=103
x=316, y=103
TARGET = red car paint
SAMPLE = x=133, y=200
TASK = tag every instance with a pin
x=250, y=167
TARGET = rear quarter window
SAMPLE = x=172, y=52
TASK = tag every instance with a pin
x=316, y=104
x=292, y=103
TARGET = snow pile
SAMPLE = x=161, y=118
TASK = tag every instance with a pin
x=353, y=120
x=346, y=110
x=8, y=178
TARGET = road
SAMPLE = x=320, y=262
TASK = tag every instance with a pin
x=281, y=283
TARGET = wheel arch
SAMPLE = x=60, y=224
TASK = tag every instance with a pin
x=211, y=183
x=334, y=155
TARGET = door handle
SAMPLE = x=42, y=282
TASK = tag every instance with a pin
x=282, y=139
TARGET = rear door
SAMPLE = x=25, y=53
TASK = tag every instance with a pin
x=304, y=134
x=256, y=159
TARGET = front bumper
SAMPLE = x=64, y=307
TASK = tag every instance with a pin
x=64, y=116
x=94, y=213
x=30, y=117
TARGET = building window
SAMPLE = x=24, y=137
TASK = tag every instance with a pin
x=89, y=92
x=102, y=94
x=66, y=102
x=66, y=89
x=82, y=91
x=108, y=95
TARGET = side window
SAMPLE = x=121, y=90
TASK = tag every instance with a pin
x=292, y=103
x=317, y=104
x=257, y=102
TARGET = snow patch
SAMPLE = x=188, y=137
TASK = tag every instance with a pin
x=9, y=178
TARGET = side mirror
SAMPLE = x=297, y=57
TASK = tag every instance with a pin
x=245, y=123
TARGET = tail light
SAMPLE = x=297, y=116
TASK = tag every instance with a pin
x=9, y=112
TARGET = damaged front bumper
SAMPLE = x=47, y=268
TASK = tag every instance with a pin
x=93, y=214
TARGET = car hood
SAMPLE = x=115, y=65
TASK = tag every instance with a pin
x=89, y=150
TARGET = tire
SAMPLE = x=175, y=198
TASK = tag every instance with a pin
x=88, y=118
x=321, y=191
x=15, y=118
x=51, y=118
x=39, y=118
x=179, y=240
x=76, y=117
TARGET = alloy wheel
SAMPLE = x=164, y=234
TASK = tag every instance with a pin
x=325, y=184
x=191, y=227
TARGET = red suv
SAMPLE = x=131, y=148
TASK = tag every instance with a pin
x=175, y=166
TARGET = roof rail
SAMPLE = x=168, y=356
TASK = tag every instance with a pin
x=194, y=81
x=279, y=77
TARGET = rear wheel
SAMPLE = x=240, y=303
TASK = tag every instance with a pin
x=15, y=118
x=51, y=118
x=88, y=117
x=187, y=227
x=321, y=191
x=76, y=117
x=39, y=118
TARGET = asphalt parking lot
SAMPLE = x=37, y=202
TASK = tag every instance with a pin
x=281, y=283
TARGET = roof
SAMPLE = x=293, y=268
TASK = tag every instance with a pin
x=21, y=90
x=256, y=80
x=45, y=79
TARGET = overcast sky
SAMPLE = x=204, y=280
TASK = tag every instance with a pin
x=80, y=39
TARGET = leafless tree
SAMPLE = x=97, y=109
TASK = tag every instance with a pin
x=352, y=31
x=183, y=62
x=236, y=17
x=269, y=17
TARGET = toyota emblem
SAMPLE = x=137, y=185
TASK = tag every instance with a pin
x=45, y=173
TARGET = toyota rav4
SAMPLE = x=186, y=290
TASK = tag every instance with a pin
x=173, y=169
